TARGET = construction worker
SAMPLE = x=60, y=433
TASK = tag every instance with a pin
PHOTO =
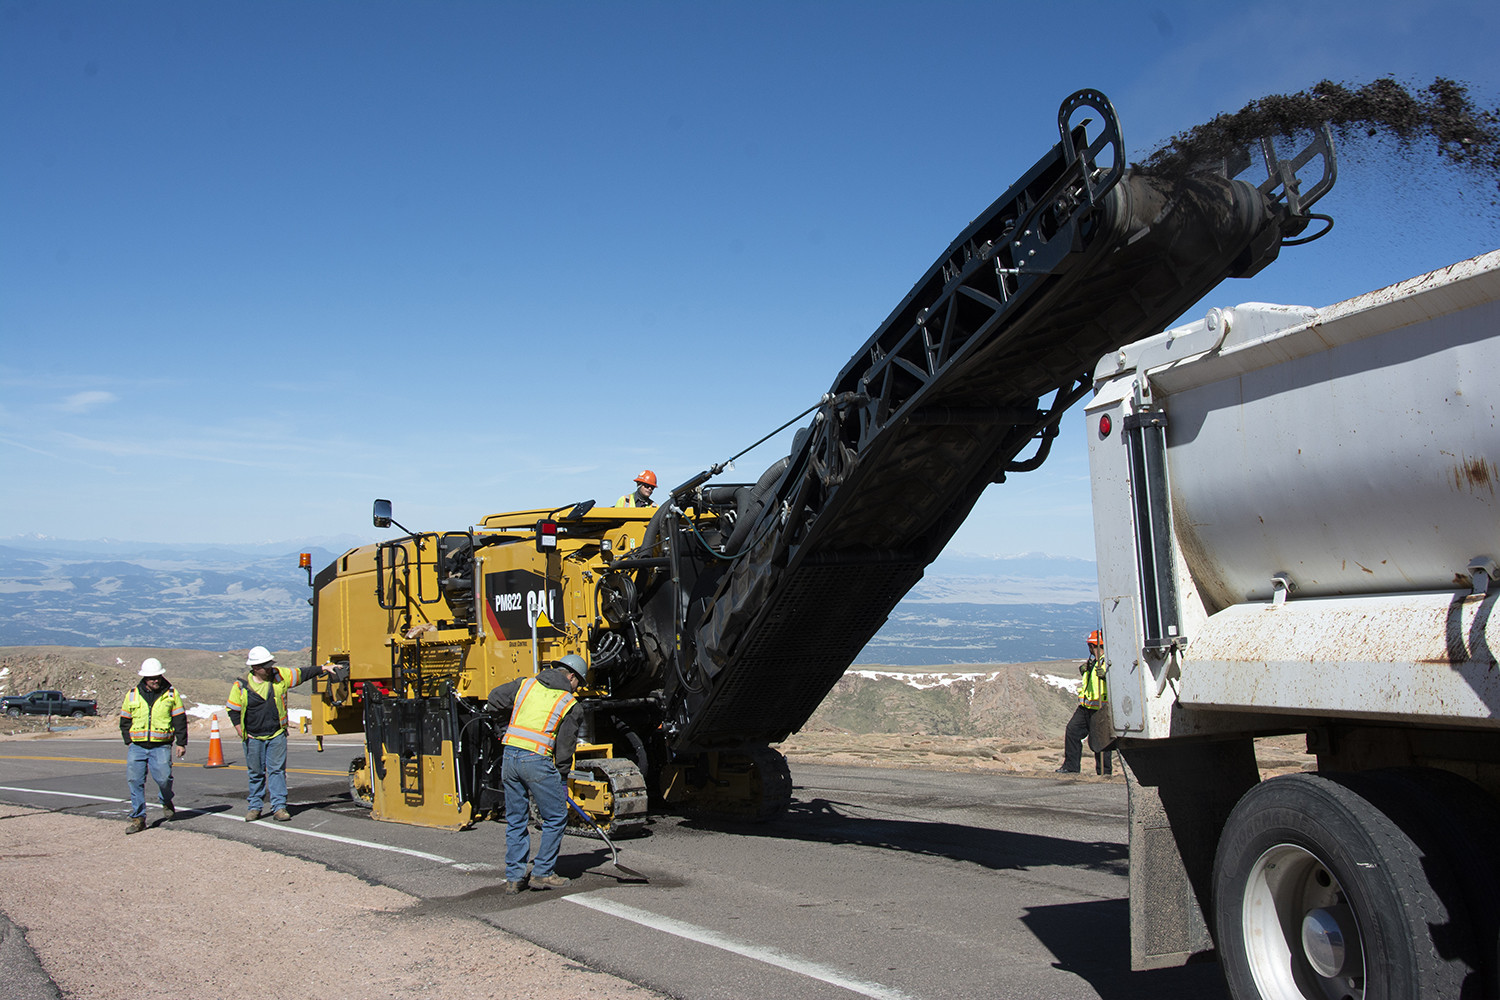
x=1091, y=697
x=645, y=485
x=152, y=718
x=538, y=754
x=257, y=710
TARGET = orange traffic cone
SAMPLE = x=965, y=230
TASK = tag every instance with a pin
x=215, y=748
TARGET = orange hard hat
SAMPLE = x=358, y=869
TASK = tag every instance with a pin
x=1096, y=638
x=647, y=476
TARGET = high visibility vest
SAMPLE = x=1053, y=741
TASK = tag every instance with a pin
x=1092, y=693
x=152, y=722
x=272, y=691
x=628, y=500
x=535, y=717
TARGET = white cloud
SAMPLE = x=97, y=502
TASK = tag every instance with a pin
x=83, y=402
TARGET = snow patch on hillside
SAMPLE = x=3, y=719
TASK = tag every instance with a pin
x=922, y=682
x=1068, y=684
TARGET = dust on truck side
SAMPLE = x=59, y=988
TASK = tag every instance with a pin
x=714, y=625
x=1297, y=517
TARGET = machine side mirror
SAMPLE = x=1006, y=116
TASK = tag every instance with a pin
x=579, y=510
x=382, y=513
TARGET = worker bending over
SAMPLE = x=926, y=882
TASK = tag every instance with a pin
x=539, y=741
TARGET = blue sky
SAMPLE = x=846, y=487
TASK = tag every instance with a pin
x=263, y=262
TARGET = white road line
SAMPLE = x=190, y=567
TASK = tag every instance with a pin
x=71, y=795
x=269, y=826
x=770, y=956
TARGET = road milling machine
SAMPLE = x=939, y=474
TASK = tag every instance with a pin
x=714, y=624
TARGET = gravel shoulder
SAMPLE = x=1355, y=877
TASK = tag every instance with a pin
x=171, y=913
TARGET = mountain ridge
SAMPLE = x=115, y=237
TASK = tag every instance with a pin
x=966, y=609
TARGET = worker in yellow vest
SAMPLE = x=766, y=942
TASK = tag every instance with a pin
x=645, y=485
x=257, y=709
x=152, y=718
x=1092, y=694
x=538, y=753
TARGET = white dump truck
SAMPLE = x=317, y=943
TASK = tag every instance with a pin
x=1297, y=518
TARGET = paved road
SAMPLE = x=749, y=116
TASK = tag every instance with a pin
x=890, y=884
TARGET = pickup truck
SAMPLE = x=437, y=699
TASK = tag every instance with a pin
x=48, y=703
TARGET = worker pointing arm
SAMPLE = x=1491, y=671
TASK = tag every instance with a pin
x=257, y=709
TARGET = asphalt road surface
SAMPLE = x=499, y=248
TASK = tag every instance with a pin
x=883, y=883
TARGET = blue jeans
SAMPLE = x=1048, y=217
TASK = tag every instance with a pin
x=1073, y=737
x=266, y=762
x=523, y=772
x=139, y=760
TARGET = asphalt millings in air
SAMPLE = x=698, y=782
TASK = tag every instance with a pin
x=1442, y=116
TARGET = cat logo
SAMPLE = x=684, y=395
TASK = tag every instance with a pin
x=516, y=599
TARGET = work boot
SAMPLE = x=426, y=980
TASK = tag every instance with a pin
x=168, y=814
x=548, y=881
x=511, y=888
x=136, y=825
x=1066, y=770
x=252, y=815
x=281, y=815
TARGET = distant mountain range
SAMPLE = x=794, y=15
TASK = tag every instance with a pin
x=57, y=592
x=932, y=634
x=105, y=593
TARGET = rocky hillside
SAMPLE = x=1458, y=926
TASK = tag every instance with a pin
x=1024, y=702
x=1018, y=701
x=105, y=674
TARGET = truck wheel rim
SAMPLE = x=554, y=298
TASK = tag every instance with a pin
x=1302, y=941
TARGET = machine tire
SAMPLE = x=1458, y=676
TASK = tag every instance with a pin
x=1305, y=848
x=627, y=789
x=769, y=781
x=77, y=713
x=775, y=777
x=13, y=712
x=1461, y=820
x=360, y=789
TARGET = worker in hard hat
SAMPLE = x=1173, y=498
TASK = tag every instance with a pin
x=1092, y=695
x=645, y=485
x=257, y=710
x=152, y=718
x=538, y=742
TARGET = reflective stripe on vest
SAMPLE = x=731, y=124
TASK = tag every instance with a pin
x=152, y=723
x=1091, y=694
x=272, y=691
x=534, y=719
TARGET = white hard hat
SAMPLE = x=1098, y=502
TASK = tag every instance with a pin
x=151, y=667
x=260, y=656
x=574, y=662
